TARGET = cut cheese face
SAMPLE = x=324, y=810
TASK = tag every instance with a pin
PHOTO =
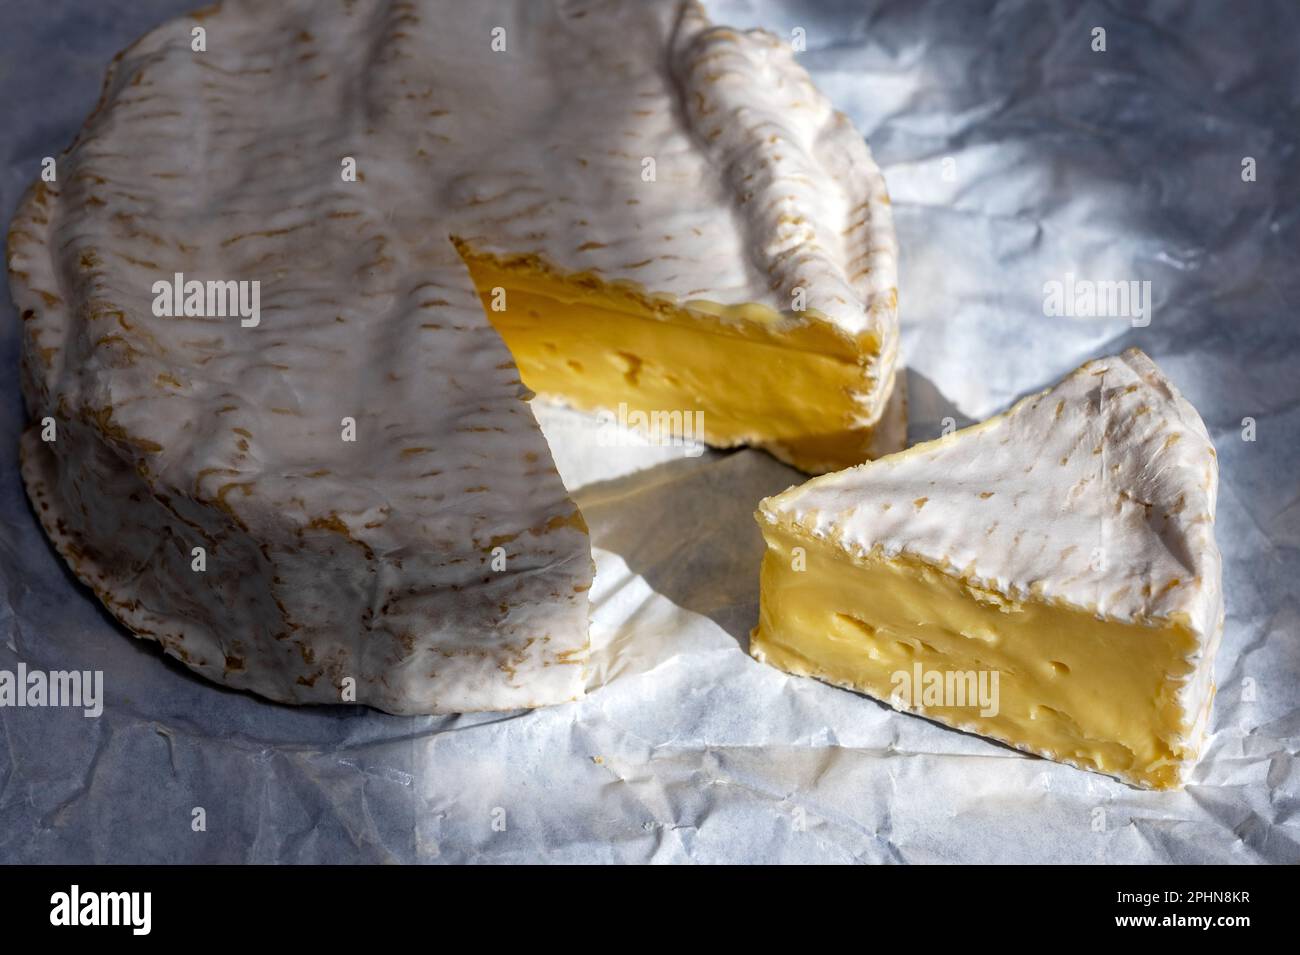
x=1048, y=578
x=793, y=391
x=347, y=498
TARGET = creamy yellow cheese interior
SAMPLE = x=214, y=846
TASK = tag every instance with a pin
x=1100, y=694
x=597, y=346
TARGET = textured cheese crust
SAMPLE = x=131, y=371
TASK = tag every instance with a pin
x=1095, y=498
x=369, y=563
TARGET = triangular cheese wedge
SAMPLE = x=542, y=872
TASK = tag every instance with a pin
x=1048, y=578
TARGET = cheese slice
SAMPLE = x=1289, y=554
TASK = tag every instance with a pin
x=1048, y=578
x=350, y=500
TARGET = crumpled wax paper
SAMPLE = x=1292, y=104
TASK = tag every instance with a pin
x=1015, y=154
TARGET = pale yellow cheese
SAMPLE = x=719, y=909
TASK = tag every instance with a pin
x=1095, y=693
x=1058, y=558
x=757, y=379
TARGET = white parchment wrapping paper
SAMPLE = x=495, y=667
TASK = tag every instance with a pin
x=1123, y=164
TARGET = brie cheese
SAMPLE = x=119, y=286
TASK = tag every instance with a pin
x=348, y=498
x=1061, y=555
